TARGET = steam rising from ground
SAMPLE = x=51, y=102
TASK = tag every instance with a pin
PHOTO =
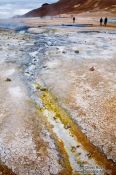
x=9, y=8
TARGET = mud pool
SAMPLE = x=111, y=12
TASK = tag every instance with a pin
x=45, y=61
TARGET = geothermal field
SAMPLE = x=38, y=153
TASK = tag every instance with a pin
x=57, y=97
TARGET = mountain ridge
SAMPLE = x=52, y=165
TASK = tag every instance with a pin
x=74, y=6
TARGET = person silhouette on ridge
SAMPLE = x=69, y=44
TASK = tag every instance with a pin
x=105, y=21
x=73, y=20
x=101, y=21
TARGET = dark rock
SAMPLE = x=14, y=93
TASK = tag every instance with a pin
x=76, y=51
x=44, y=67
x=73, y=149
x=8, y=80
x=89, y=155
x=92, y=68
x=78, y=146
x=43, y=89
x=67, y=127
x=40, y=88
x=45, y=4
x=55, y=118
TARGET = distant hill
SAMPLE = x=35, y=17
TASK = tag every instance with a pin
x=73, y=6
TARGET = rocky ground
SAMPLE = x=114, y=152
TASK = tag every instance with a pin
x=26, y=146
x=88, y=94
x=48, y=67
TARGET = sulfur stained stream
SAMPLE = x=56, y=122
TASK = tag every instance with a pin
x=83, y=157
x=78, y=156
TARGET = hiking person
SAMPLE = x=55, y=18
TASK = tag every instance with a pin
x=101, y=21
x=73, y=20
x=105, y=21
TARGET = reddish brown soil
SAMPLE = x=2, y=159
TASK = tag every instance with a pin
x=73, y=6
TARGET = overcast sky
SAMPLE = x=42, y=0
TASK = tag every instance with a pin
x=9, y=8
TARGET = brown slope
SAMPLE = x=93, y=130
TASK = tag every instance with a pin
x=73, y=6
